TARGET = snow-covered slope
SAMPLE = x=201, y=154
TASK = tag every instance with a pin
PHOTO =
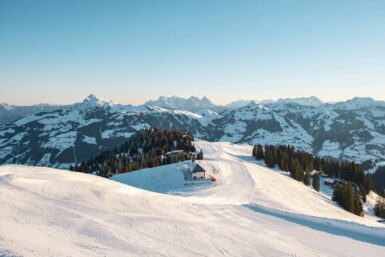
x=249, y=211
x=242, y=180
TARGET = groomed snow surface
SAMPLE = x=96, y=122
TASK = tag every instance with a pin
x=249, y=211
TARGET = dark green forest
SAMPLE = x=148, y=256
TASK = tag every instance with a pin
x=146, y=149
x=355, y=184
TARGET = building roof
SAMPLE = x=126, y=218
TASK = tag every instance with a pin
x=198, y=168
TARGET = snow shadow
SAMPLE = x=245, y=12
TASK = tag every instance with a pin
x=245, y=158
x=371, y=235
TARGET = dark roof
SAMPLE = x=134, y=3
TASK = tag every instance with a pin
x=198, y=168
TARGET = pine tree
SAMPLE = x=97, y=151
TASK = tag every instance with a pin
x=306, y=180
x=269, y=158
x=300, y=175
x=284, y=162
x=296, y=170
x=200, y=155
x=254, y=152
x=316, y=182
x=337, y=193
x=348, y=198
x=357, y=205
x=259, y=153
x=379, y=208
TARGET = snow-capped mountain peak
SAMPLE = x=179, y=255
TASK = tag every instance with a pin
x=5, y=106
x=359, y=103
x=93, y=101
x=237, y=104
x=307, y=101
x=192, y=104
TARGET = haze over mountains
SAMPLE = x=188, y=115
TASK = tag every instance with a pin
x=59, y=136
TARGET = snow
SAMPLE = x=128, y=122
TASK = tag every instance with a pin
x=187, y=113
x=250, y=211
x=330, y=149
x=238, y=104
x=45, y=160
x=307, y=101
x=140, y=126
x=234, y=131
x=62, y=141
x=89, y=140
x=191, y=104
x=359, y=103
x=107, y=134
x=164, y=179
x=123, y=134
x=26, y=120
x=5, y=131
x=92, y=101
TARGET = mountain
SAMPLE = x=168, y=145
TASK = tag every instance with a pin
x=64, y=137
x=249, y=211
x=307, y=101
x=237, y=104
x=351, y=130
x=329, y=130
x=9, y=113
x=192, y=104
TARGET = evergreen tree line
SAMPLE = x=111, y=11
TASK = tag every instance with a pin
x=379, y=208
x=378, y=178
x=144, y=149
x=348, y=198
x=299, y=163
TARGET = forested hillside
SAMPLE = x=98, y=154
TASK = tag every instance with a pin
x=145, y=149
x=353, y=185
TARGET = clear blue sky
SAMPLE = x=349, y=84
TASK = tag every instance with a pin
x=131, y=51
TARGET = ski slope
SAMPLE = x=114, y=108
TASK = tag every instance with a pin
x=250, y=211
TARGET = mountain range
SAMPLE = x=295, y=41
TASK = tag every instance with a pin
x=9, y=113
x=59, y=136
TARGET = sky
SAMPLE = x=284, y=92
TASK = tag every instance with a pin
x=59, y=51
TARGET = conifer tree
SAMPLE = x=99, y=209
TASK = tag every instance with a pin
x=379, y=208
x=316, y=182
x=348, y=198
x=357, y=205
x=260, y=155
x=254, y=152
x=337, y=193
x=269, y=158
x=200, y=155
